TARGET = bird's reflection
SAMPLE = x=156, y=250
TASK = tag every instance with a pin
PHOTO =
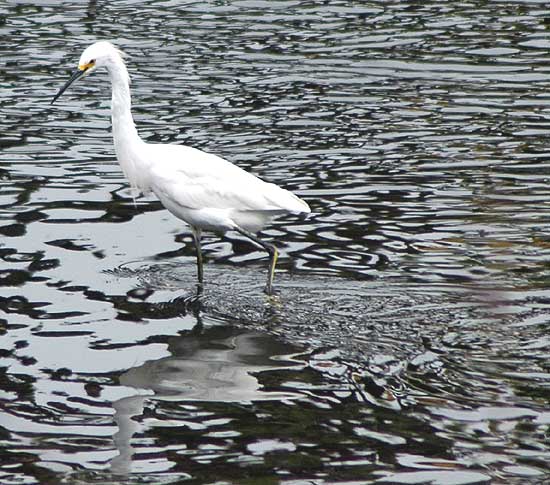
x=215, y=364
x=125, y=410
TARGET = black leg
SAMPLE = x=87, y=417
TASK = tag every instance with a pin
x=273, y=255
x=197, y=239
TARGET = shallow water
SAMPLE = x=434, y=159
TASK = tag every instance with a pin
x=409, y=341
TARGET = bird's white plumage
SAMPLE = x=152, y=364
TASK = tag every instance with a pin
x=189, y=182
x=213, y=194
x=202, y=189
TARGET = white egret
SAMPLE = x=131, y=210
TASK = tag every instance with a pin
x=204, y=190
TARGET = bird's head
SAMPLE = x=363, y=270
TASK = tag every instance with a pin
x=100, y=54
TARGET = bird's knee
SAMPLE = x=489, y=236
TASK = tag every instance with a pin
x=272, y=250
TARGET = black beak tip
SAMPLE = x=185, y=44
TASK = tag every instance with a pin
x=76, y=75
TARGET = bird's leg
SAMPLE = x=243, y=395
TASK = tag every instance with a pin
x=197, y=238
x=273, y=255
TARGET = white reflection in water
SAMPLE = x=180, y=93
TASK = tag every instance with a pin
x=221, y=368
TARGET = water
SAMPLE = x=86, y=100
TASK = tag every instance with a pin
x=409, y=342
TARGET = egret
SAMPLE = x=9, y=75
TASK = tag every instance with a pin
x=202, y=189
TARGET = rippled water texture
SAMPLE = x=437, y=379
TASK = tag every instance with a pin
x=410, y=340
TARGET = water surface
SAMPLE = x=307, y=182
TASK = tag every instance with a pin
x=409, y=342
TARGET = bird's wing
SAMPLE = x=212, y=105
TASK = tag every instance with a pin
x=198, y=180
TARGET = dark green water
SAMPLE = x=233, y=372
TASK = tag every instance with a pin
x=410, y=341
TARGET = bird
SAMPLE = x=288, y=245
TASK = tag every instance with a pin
x=204, y=190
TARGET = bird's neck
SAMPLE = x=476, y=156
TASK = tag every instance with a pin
x=128, y=144
x=124, y=128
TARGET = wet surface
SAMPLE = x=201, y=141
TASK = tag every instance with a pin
x=409, y=341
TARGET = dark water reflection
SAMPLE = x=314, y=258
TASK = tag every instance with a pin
x=410, y=339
